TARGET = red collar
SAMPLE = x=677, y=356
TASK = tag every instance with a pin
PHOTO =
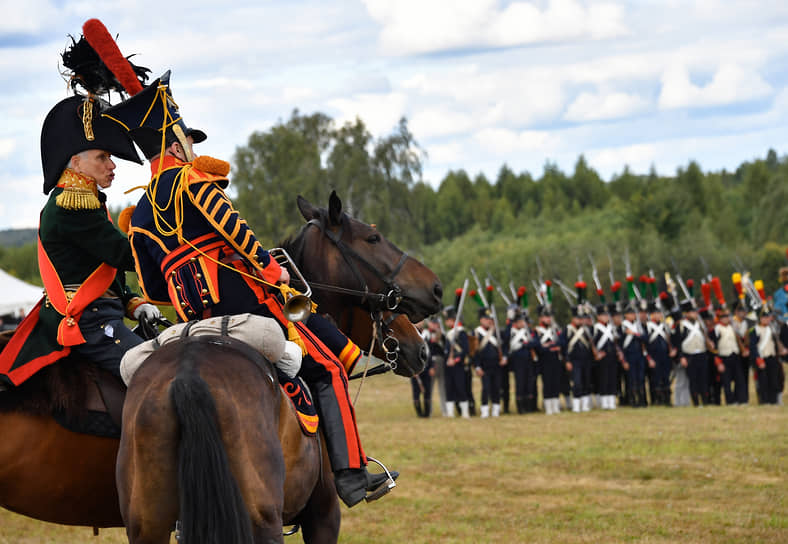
x=166, y=161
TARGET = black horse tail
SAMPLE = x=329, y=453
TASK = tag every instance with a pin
x=212, y=510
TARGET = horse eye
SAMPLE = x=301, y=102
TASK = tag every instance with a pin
x=374, y=239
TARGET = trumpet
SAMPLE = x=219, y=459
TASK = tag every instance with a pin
x=297, y=305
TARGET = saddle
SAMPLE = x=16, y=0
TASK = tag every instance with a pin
x=76, y=394
x=261, y=334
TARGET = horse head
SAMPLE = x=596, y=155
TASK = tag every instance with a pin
x=359, y=259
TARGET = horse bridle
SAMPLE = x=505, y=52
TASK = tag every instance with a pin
x=377, y=301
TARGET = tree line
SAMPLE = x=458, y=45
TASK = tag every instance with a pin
x=501, y=225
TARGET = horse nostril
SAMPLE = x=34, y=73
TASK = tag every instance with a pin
x=438, y=290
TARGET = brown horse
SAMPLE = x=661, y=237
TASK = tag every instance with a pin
x=50, y=473
x=209, y=440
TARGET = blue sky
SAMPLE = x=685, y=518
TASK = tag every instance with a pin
x=482, y=82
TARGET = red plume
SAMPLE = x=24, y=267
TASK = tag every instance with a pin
x=705, y=290
x=458, y=291
x=616, y=286
x=663, y=296
x=521, y=290
x=690, y=283
x=489, y=287
x=99, y=39
x=715, y=284
x=548, y=283
x=601, y=292
x=580, y=285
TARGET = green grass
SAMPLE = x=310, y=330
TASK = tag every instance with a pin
x=655, y=475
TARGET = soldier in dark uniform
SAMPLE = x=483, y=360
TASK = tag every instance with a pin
x=549, y=350
x=632, y=345
x=729, y=350
x=83, y=257
x=577, y=352
x=692, y=343
x=765, y=353
x=660, y=353
x=742, y=328
x=519, y=351
x=456, y=360
x=487, y=362
x=607, y=355
x=193, y=250
x=421, y=383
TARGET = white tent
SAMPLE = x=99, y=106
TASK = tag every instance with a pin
x=16, y=294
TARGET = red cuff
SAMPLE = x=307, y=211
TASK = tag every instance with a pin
x=272, y=272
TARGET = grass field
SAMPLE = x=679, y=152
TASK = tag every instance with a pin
x=651, y=475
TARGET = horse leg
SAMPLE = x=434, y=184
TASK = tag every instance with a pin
x=146, y=472
x=321, y=517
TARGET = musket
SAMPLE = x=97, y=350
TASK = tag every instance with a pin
x=512, y=290
x=497, y=328
x=539, y=268
x=569, y=295
x=691, y=299
x=595, y=276
x=537, y=292
x=612, y=275
x=498, y=288
x=457, y=319
x=628, y=272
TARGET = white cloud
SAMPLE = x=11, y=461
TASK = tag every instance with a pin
x=595, y=107
x=380, y=112
x=506, y=142
x=7, y=146
x=638, y=157
x=423, y=26
x=440, y=121
x=731, y=83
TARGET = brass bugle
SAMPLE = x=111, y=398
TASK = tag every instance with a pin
x=297, y=306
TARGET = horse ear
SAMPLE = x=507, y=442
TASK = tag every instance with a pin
x=308, y=211
x=334, y=208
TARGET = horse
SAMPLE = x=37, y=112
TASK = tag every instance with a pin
x=50, y=473
x=208, y=439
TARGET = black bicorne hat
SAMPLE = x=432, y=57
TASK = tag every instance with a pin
x=687, y=305
x=601, y=309
x=74, y=125
x=544, y=310
x=152, y=118
x=484, y=312
x=450, y=312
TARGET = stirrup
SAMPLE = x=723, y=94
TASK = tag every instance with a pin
x=383, y=488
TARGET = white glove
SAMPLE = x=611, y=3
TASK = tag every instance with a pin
x=150, y=312
x=290, y=362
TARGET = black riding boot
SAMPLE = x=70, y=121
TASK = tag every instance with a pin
x=353, y=483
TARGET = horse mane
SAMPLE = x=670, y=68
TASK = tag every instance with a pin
x=58, y=388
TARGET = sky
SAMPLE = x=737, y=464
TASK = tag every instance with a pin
x=482, y=83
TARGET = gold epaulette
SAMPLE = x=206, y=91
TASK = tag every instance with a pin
x=79, y=192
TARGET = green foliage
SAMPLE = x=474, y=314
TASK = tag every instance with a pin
x=500, y=225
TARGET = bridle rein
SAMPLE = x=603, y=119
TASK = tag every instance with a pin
x=375, y=302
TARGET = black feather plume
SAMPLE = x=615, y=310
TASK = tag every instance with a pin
x=86, y=69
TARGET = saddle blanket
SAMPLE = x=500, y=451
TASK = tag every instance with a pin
x=261, y=333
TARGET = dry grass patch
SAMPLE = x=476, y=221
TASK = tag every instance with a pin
x=659, y=475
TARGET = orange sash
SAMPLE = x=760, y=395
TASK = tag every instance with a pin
x=71, y=307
